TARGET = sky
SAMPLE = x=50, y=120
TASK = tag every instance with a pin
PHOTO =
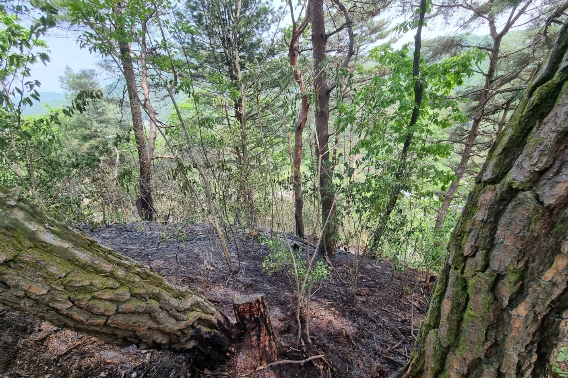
x=64, y=51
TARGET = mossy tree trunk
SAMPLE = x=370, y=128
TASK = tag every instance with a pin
x=56, y=274
x=500, y=308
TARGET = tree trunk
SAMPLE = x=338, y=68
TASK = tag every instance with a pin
x=253, y=317
x=401, y=170
x=146, y=201
x=293, y=53
x=321, y=112
x=54, y=273
x=146, y=92
x=501, y=303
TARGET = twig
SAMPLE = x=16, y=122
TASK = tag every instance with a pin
x=301, y=362
x=228, y=279
x=72, y=347
x=397, y=344
x=415, y=305
x=391, y=359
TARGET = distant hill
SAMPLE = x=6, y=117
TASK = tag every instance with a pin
x=52, y=99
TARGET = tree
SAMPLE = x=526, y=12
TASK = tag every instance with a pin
x=323, y=89
x=54, y=273
x=494, y=80
x=501, y=301
x=111, y=31
x=293, y=54
x=230, y=38
x=18, y=51
x=418, y=93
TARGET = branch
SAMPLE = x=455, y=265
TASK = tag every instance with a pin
x=306, y=20
x=351, y=51
x=336, y=30
x=301, y=362
x=163, y=157
x=476, y=47
x=513, y=18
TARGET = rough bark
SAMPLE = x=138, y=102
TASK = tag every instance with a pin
x=253, y=318
x=500, y=307
x=146, y=201
x=60, y=276
x=293, y=53
x=323, y=90
x=322, y=126
x=486, y=93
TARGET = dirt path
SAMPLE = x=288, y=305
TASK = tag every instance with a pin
x=370, y=337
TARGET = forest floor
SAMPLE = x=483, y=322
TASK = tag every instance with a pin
x=370, y=336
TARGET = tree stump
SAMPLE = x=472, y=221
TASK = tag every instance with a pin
x=253, y=320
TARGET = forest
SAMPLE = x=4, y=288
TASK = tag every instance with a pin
x=305, y=188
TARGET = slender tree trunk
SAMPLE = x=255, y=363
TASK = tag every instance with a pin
x=501, y=302
x=293, y=53
x=298, y=150
x=31, y=169
x=146, y=202
x=146, y=92
x=54, y=273
x=467, y=150
x=240, y=114
x=504, y=118
x=321, y=112
x=401, y=170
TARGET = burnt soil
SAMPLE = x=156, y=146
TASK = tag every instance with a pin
x=370, y=336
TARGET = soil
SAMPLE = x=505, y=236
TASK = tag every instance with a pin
x=369, y=336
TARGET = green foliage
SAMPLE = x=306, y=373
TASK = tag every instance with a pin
x=53, y=156
x=560, y=366
x=19, y=47
x=284, y=258
x=379, y=116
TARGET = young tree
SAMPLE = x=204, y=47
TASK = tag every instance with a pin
x=111, y=28
x=501, y=302
x=230, y=38
x=494, y=80
x=418, y=94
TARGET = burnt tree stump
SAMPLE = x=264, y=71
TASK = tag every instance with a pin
x=253, y=321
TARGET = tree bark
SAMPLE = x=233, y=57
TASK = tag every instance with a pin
x=323, y=90
x=60, y=276
x=321, y=112
x=146, y=92
x=253, y=318
x=293, y=53
x=146, y=201
x=501, y=302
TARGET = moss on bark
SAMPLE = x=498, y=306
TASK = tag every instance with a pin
x=506, y=275
x=69, y=280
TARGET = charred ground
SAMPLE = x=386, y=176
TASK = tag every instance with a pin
x=371, y=336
